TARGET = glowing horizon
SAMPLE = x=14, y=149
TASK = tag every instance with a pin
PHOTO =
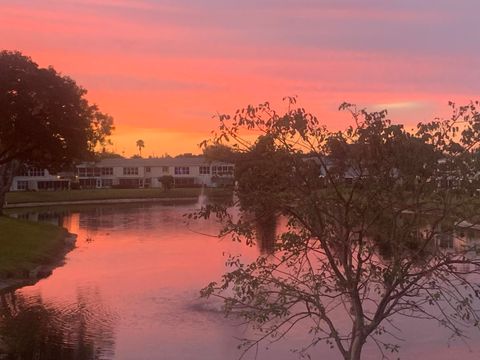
x=162, y=69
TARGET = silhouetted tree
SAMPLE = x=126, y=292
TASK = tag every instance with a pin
x=32, y=328
x=218, y=152
x=140, y=145
x=45, y=119
x=104, y=154
x=186, y=155
x=364, y=214
x=167, y=182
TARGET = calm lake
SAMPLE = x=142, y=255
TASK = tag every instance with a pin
x=130, y=290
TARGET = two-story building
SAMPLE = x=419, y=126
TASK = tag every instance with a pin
x=34, y=179
x=141, y=173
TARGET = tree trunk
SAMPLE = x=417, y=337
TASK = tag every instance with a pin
x=7, y=172
x=356, y=348
x=2, y=201
x=358, y=334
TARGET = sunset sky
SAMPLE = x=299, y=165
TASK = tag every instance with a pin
x=162, y=69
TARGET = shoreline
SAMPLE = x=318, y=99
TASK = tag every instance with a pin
x=42, y=270
x=96, y=201
x=20, y=278
x=17, y=200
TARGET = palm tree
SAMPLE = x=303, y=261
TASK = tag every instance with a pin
x=140, y=145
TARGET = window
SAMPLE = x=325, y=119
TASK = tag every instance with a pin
x=34, y=172
x=165, y=169
x=129, y=183
x=204, y=170
x=22, y=185
x=184, y=182
x=89, y=171
x=130, y=171
x=147, y=169
x=88, y=183
x=107, y=182
x=222, y=170
x=182, y=170
x=107, y=171
x=53, y=185
x=45, y=185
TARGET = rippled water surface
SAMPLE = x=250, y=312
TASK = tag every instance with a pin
x=130, y=291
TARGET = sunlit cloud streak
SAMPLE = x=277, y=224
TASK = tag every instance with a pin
x=168, y=66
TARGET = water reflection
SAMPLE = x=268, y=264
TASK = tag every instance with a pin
x=130, y=293
x=266, y=232
x=31, y=328
x=54, y=217
x=133, y=292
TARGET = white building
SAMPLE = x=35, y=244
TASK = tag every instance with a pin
x=140, y=173
x=34, y=179
x=129, y=173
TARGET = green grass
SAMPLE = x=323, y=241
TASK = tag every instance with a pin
x=105, y=194
x=24, y=245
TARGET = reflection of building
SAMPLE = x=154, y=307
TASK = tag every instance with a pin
x=39, y=179
x=467, y=236
x=463, y=241
x=139, y=173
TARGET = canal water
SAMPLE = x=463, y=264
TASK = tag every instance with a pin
x=130, y=290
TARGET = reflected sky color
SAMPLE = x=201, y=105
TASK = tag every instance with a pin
x=130, y=290
x=162, y=68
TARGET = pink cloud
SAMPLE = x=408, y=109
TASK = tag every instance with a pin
x=170, y=66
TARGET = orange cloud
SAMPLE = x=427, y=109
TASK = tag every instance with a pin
x=164, y=68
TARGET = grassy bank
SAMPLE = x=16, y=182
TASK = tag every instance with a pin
x=107, y=194
x=25, y=245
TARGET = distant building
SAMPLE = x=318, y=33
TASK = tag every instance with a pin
x=130, y=173
x=34, y=179
x=145, y=173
